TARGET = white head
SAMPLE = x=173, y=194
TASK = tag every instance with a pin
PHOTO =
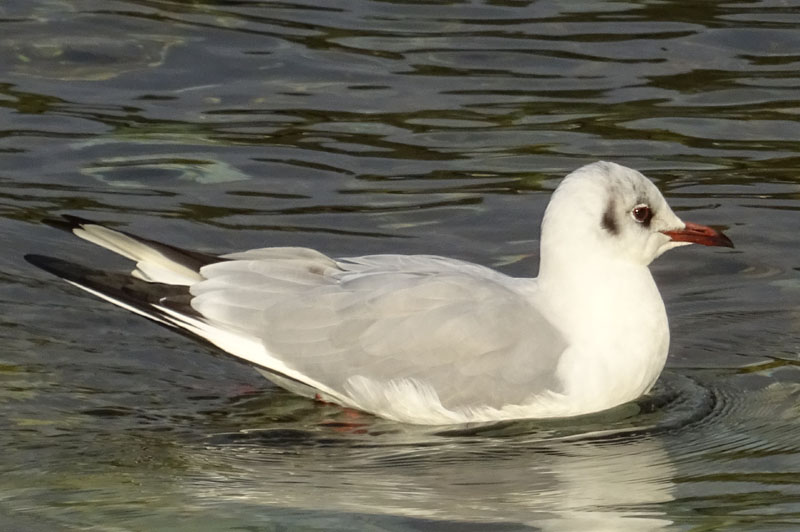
x=604, y=210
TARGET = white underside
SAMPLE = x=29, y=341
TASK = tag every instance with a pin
x=409, y=400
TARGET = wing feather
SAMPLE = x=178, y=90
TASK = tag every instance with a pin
x=416, y=338
x=464, y=331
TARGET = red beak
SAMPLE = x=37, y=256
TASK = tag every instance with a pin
x=700, y=234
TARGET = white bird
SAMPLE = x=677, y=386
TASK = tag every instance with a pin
x=427, y=339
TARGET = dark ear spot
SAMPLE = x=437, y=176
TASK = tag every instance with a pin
x=609, y=220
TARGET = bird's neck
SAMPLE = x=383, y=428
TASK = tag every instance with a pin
x=593, y=290
x=613, y=317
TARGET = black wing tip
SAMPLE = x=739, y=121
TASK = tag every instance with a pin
x=194, y=260
x=40, y=261
x=68, y=222
x=58, y=267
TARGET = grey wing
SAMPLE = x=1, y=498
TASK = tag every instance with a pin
x=456, y=328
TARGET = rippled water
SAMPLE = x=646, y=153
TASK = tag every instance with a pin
x=363, y=127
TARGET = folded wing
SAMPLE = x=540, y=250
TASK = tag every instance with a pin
x=396, y=335
x=457, y=330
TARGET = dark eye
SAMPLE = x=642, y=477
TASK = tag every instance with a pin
x=642, y=214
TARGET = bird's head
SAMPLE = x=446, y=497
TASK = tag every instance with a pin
x=607, y=210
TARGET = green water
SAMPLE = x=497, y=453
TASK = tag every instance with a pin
x=366, y=127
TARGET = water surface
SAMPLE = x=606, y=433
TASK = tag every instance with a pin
x=366, y=127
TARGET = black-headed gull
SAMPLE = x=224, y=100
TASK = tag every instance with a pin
x=427, y=339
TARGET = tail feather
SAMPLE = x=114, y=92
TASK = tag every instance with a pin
x=159, y=289
x=170, y=306
x=155, y=262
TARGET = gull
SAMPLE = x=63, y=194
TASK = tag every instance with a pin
x=425, y=339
